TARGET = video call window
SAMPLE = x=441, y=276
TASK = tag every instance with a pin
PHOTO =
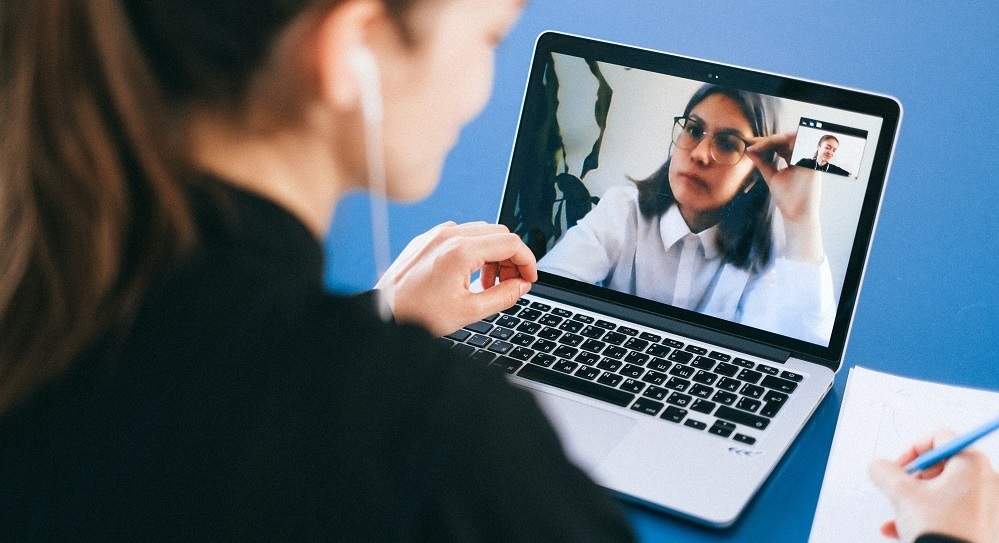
x=601, y=130
x=829, y=147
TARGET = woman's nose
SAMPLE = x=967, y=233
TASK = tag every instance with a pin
x=702, y=151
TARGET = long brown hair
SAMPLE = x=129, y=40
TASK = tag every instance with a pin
x=92, y=199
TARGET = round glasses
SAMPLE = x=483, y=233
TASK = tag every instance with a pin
x=726, y=147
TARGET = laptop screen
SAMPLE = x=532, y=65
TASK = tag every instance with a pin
x=732, y=199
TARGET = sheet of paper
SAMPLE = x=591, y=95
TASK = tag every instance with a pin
x=881, y=415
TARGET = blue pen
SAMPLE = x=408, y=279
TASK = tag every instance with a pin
x=952, y=447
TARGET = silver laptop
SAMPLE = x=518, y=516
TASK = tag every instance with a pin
x=687, y=321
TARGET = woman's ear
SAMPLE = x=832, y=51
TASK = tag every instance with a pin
x=342, y=38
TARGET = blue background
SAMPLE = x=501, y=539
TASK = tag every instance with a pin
x=929, y=306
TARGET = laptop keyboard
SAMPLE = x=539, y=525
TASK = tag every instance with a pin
x=642, y=370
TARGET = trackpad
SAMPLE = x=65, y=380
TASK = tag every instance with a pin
x=588, y=433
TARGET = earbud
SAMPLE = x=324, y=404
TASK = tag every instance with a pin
x=365, y=68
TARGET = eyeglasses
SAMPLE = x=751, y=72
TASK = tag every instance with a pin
x=726, y=147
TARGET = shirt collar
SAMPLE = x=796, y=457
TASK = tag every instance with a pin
x=673, y=228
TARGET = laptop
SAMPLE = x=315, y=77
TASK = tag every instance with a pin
x=678, y=363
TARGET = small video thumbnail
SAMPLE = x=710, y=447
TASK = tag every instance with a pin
x=829, y=147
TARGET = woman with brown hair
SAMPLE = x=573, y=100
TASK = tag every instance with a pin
x=170, y=364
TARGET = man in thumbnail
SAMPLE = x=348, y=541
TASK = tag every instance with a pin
x=824, y=153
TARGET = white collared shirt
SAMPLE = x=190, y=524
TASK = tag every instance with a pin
x=662, y=260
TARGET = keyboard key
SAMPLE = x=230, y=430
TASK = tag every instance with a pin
x=610, y=364
x=592, y=332
x=743, y=438
x=673, y=414
x=550, y=320
x=637, y=358
x=459, y=335
x=565, y=351
x=680, y=356
x=658, y=350
x=656, y=393
x=632, y=385
x=703, y=406
x=705, y=377
x=508, y=365
x=770, y=370
x=513, y=310
x=564, y=313
x=741, y=417
x=607, y=325
x=480, y=327
x=636, y=344
x=776, y=397
x=543, y=345
x=544, y=359
x=748, y=404
x=524, y=340
x=695, y=424
x=744, y=363
x=680, y=370
x=571, y=340
x=695, y=349
x=752, y=391
x=654, y=377
x=658, y=364
x=722, y=428
x=529, y=327
x=720, y=356
x=615, y=352
x=575, y=384
x=703, y=363
x=501, y=333
x=627, y=331
x=565, y=366
x=770, y=409
x=726, y=383
x=508, y=321
x=701, y=391
x=650, y=337
x=610, y=379
x=478, y=340
x=679, y=400
x=521, y=353
x=790, y=375
x=587, y=372
x=492, y=317
x=647, y=406
x=530, y=314
x=723, y=397
x=571, y=326
x=672, y=343
x=728, y=370
x=749, y=376
x=586, y=357
x=615, y=338
x=585, y=319
x=540, y=306
x=501, y=347
x=522, y=302
x=550, y=333
x=632, y=370
x=782, y=385
x=445, y=342
x=678, y=384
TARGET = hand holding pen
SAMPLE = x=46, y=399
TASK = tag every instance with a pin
x=957, y=497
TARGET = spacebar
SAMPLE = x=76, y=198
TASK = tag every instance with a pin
x=573, y=384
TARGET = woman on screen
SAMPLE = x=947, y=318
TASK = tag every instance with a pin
x=701, y=233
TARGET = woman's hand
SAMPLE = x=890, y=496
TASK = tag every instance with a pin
x=796, y=193
x=958, y=498
x=430, y=283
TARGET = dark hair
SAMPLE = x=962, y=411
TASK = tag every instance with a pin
x=92, y=162
x=822, y=139
x=744, y=235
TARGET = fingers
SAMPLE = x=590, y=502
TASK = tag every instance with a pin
x=506, y=250
x=497, y=298
x=889, y=529
x=890, y=478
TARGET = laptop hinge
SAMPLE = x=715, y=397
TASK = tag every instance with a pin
x=658, y=322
